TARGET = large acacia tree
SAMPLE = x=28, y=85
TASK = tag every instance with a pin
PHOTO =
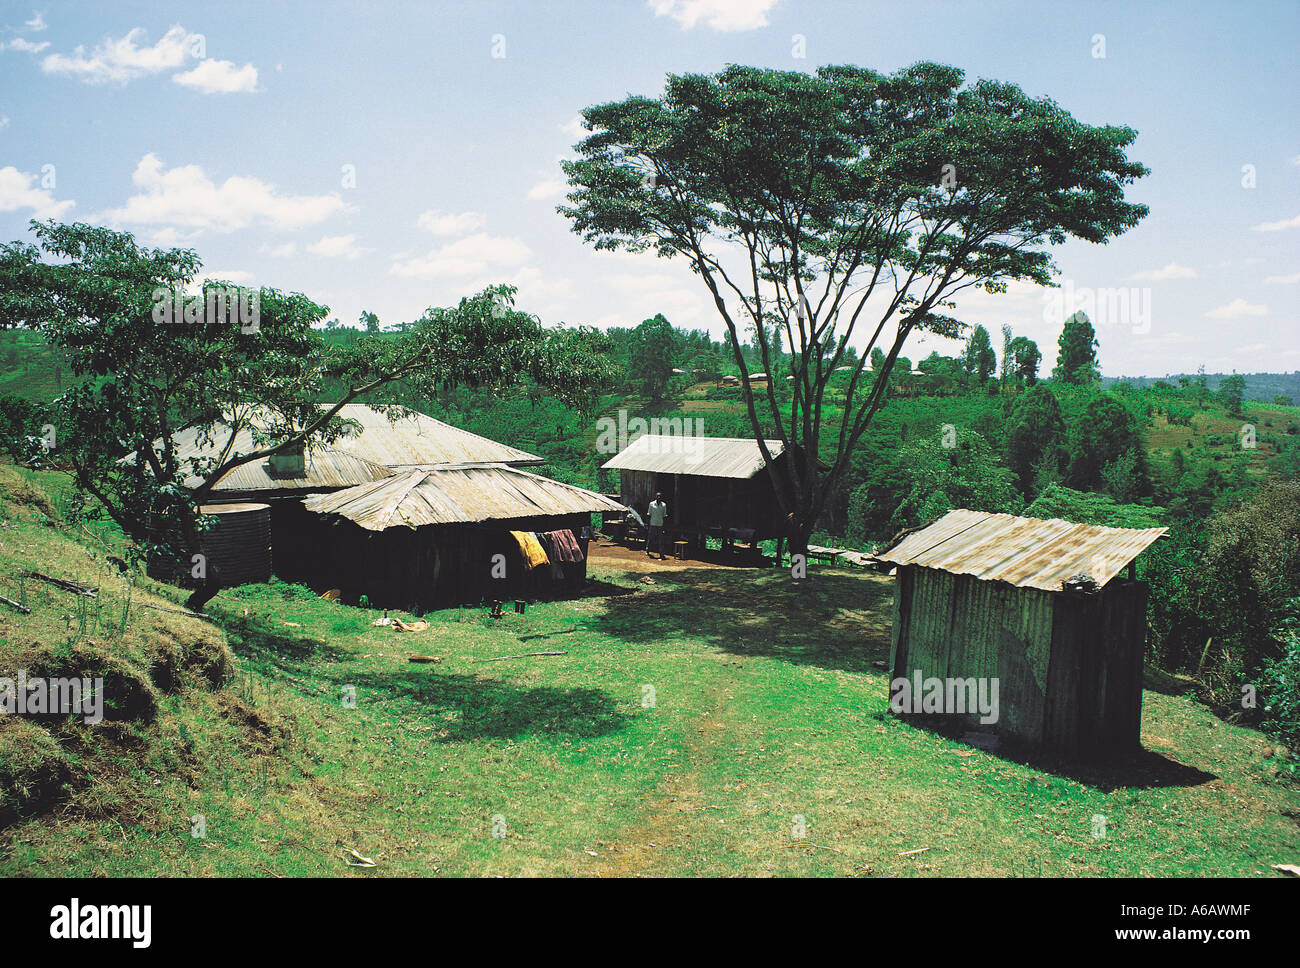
x=92, y=293
x=845, y=206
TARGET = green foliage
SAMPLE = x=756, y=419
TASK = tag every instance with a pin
x=1107, y=433
x=1082, y=507
x=1036, y=437
x=938, y=478
x=978, y=360
x=712, y=168
x=1076, y=360
x=1279, y=688
x=1232, y=390
x=652, y=356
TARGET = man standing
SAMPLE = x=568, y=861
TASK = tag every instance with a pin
x=658, y=513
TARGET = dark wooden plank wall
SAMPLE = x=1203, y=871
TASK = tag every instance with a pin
x=1069, y=666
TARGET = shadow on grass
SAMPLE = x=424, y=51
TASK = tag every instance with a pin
x=469, y=708
x=762, y=613
x=1139, y=768
x=256, y=639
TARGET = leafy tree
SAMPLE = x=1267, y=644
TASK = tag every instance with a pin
x=1106, y=432
x=1082, y=507
x=1232, y=391
x=370, y=321
x=1035, y=436
x=1076, y=360
x=1005, y=364
x=1025, y=360
x=828, y=190
x=652, y=356
x=979, y=360
x=95, y=295
x=1282, y=400
x=938, y=479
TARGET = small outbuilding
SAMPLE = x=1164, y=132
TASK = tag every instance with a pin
x=1037, y=608
x=441, y=536
x=718, y=486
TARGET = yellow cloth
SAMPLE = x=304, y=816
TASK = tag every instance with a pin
x=532, y=550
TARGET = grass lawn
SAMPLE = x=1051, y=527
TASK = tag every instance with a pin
x=691, y=726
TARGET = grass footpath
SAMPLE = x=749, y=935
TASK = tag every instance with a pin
x=691, y=726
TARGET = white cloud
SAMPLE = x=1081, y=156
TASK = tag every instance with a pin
x=574, y=129
x=548, y=188
x=18, y=190
x=4, y=120
x=442, y=223
x=337, y=247
x=1286, y=223
x=186, y=197
x=37, y=23
x=238, y=276
x=122, y=60
x=1171, y=271
x=1237, y=308
x=219, y=77
x=1284, y=280
x=723, y=15
x=26, y=46
x=281, y=251
x=472, y=255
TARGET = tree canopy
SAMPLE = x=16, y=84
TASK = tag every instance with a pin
x=108, y=305
x=840, y=203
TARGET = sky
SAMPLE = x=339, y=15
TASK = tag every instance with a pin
x=393, y=156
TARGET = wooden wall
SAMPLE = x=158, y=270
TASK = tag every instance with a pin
x=421, y=568
x=707, y=505
x=1069, y=666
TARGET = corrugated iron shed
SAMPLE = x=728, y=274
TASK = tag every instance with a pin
x=735, y=457
x=380, y=448
x=1026, y=552
x=457, y=495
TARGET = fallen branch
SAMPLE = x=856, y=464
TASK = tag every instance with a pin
x=546, y=635
x=68, y=586
x=808, y=843
x=521, y=655
x=909, y=853
x=12, y=604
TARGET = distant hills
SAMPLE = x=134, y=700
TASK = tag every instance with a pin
x=1259, y=386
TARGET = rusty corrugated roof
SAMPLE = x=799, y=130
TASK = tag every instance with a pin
x=1027, y=552
x=457, y=495
x=735, y=457
x=380, y=448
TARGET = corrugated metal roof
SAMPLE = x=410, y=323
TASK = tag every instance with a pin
x=420, y=441
x=1027, y=552
x=380, y=448
x=325, y=468
x=736, y=457
x=457, y=495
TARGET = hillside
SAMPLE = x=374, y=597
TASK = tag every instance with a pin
x=685, y=727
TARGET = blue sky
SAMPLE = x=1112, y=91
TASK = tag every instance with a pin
x=379, y=156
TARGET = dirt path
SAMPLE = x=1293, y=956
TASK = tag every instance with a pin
x=671, y=819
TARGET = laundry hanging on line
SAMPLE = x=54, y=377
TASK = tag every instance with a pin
x=532, y=550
